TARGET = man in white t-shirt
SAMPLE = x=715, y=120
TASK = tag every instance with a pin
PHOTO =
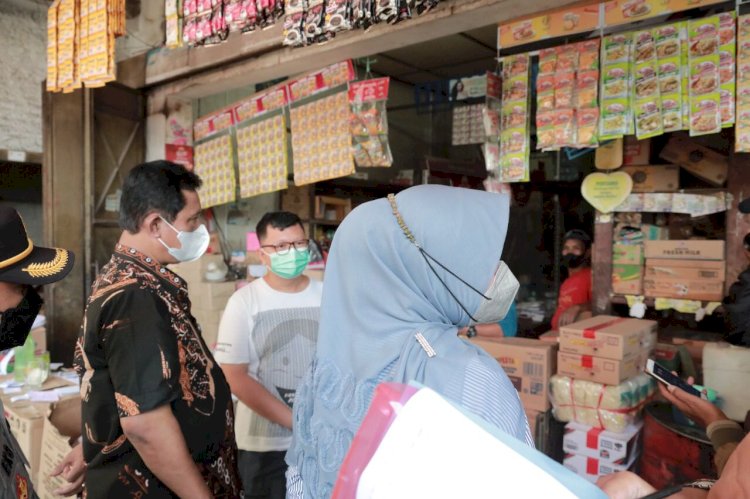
x=266, y=342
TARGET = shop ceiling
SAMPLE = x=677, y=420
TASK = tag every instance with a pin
x=456, y=38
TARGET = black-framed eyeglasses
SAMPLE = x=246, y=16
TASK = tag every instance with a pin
x=284, y=248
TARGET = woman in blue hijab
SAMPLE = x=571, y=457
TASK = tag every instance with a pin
x=404, y=274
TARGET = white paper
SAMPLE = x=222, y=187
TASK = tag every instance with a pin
x=433, y=450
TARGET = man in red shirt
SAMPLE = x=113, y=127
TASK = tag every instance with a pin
x=574, y=300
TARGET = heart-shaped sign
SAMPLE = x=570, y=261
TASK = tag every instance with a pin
x=606, y=191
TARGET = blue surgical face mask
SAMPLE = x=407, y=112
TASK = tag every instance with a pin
x=192, y=244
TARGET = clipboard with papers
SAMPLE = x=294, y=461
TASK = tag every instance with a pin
x=414, y=443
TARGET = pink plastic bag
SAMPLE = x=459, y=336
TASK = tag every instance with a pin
x=388, y=399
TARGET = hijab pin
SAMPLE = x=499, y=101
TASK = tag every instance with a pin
x=425, y=345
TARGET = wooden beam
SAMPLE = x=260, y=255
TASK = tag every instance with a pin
x=63, y=176
x=257, y=57
x=601, y=264
x=738, y=185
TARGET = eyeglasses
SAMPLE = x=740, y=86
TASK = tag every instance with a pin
x=284, y=248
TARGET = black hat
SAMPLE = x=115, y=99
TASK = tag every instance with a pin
x=744, y=205
x=23, y=263
x=578, y=235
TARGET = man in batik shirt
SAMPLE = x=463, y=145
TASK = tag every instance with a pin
x=158, y=419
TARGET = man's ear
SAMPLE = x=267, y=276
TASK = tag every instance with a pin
x=152, y=225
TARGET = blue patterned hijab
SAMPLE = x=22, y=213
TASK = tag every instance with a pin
x=379, y=292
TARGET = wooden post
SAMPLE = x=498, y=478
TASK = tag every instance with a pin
x=601, y=264
x=738, y=185
x=63, y=180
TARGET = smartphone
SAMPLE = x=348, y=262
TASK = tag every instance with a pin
x=666, y=377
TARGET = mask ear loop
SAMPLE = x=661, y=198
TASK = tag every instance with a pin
x=427, y=257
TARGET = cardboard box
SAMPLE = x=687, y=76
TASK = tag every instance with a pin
x=685, y=249
x=26, y=420
x=608, y=337
x=654, y=178
x=552, y=336
x=606, y=446
x=627, y=279
x=696, y=270
x=211, y=295
x=592, y=469
x=627, y=254
x=297, y=200
x=528, y=363
x=684, y=289
x=59, y=429
x=636, y=152
x=598, y=369
x=698, y=160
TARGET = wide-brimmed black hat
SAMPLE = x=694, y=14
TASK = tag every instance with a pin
x=23, y=263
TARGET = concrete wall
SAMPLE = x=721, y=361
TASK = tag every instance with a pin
x=23, y=59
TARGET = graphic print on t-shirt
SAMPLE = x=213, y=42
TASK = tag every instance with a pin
x=285, y=340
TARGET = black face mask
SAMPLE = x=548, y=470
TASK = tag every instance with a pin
x=15, y=323
x=572, y=261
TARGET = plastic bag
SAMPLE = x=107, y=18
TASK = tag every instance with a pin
x=369, y=124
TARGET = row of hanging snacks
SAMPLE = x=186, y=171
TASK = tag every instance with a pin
x=214, y=164
x=649, y=121
x=727, y=67
x=368, y=123
x=262, y=156
x=321, y=139
x=615, y=108
x=703, y=63
x=203, y=22
x=742, y=132
x=515, y=145
x=669, y=41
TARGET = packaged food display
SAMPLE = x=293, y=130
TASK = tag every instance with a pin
x=669, y=60
x=742, y=132
x=727, y=67
x=649, y=121
x=214, y=163
x=609, y=407
x=369, y=124
x=321, y=139
x=616, y=111
x=514, y=136
x=262, y=156
x=703, y=61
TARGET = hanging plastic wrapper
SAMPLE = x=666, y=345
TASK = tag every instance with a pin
x=314, y=21
x=294, y=23
x=369, y=123
x=338, y=17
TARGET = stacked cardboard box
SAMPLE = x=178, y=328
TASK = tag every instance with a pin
x=685, y=269
x=208, y=299
x=529, y=364
x=627, y=269
x=592, y=452
x=604, y=351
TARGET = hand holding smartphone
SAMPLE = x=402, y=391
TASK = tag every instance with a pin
x=664, y=376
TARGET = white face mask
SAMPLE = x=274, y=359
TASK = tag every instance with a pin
x=501, y=293
x=192, y=244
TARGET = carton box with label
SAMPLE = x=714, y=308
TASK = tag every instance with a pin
x=655, y=178
x=627, y=254
x=26, y=420
x=683, y=289
x=698, y=160
x=59, y=429
x=636, y=152
x=608, y=337
x=592, y=469
x=607, y=446
x=686, y=249
x=598, y=369
x=694, y=270
x=627, y=279
x=528, y=363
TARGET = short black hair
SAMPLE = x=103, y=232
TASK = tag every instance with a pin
x=578, y=235
x=278, y=220
x=155, y=186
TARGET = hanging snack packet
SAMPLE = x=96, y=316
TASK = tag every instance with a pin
x=564, y=89
x=314, y=21
x=545, y=93
x=338, y=17
x=669, y=71
x=294, y=23
x=703, y=59
x=387, y=11
x=547, y=61
x=545, y=130
x=727, y=86
x=368, y=123
x=587, y=122
x=363, y=13
x=615, y=82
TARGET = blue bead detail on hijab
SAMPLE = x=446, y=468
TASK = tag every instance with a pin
x=379, y=293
